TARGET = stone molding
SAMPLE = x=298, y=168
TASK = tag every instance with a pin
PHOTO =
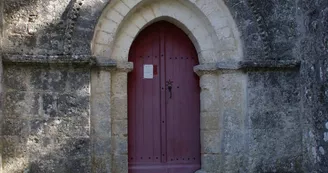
x=94, y=61
x=245, y=65
x=68, y=60
x=50, y=59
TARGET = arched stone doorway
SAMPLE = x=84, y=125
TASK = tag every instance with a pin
x=163, y=102
x=222, y=98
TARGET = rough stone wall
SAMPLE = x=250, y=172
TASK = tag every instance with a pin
x=46, y=120
x=49, y=26
x=275, y=134
x=313, y=51
x=46, y=114
x=273, y=141
x=287, y=109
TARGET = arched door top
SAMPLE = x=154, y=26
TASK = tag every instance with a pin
x=210, y=26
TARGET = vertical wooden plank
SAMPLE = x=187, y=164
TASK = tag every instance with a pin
x=156, y=110
x=139, y=97
x=169, y=61
x=147, y=99
x=131, y=107
x=163, y=53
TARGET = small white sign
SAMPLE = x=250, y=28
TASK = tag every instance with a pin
x=148, y=71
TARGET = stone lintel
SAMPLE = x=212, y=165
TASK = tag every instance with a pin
x=245, y=65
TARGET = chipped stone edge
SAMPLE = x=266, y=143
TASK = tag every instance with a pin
x=245, y=65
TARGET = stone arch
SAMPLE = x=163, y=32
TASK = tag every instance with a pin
x=208, y=23
x=211, y=28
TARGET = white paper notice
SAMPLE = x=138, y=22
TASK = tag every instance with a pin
x=148, y=71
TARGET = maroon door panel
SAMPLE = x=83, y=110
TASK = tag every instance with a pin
x=163, y=108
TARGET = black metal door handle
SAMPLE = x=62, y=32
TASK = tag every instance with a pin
x=170, y=90
x=169, y=87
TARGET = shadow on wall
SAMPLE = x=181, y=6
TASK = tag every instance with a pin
x=49, y=27
x=46, y=125
x=46, y=120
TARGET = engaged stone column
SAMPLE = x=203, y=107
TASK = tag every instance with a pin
x=222, y=115
x=119, y=116
x=210, y=121
x=109, y=118
x=232, y=96
x=100, y=120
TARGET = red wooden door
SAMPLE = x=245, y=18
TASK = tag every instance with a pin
x=163, y=102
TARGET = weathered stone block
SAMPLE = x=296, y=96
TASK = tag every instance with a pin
x=8, y=147
x=38, y=127
x=73, y=147
x=114, y=16
x=119, y=84
x=232, y=163
x=101, y=126
x=40, y=166
x=79, y=80
x=14, y=154
x=69, y=127
x=120, y=127
x=120, y=145
x=210, y=121
x=104, y=37
x=233, y=142
x=211, y=141
x=211, y=162
x=50, y=104
x=60, y=165
x=38, y=146
x=100, y=105
x=15, y=78
x=12, y=127
x=209, y=102
x=49, y=79
x=100, y=82
x=233, y=119
x=275, y=149
x=73, y=105
x=16, y=164
x=119, y=108
x=119, y=163
x=282, y=118
x=60, y=127
x=101, y=164
x=101, y=145
x=14, y=104
x=276, y=91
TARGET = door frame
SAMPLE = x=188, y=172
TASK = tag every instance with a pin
x=223, y=92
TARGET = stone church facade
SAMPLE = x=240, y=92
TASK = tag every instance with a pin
x=262, y=75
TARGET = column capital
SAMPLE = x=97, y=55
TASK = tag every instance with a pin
x=203, y=69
